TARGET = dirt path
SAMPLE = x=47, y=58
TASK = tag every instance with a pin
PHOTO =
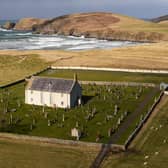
x=114, y=139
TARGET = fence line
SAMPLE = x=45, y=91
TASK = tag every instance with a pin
x=118, y=83
x=112, y=69
x=83, y=82
x=97, y=146
x=137, y=130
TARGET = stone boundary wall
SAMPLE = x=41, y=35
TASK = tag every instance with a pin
x=97, y=146
x=27, y=138
x=138, y=129
x=118, y=83
x=112, y=69
x=81, y=82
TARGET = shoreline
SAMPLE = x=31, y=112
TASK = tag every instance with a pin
x=82, y=36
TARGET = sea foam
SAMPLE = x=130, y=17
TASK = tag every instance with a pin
x=27, y=41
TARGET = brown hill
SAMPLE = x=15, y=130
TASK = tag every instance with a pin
x=104, y=26
x=160, y=19
x=28, y=23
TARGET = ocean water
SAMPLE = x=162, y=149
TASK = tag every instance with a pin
x=20, y=40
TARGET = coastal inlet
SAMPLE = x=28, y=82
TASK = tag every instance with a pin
x=23, y=40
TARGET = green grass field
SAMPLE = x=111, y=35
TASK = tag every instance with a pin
x=151, y=146
x=151, y=141
x=21, y=155
x=13, y=68
x=95, y=117
x=108, y=76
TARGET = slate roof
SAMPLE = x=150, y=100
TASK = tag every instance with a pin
x=51, y=84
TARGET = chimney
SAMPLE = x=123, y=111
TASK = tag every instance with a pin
x=50, y=85
x=75, y=77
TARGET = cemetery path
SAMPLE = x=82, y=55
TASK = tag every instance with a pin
x=125, y=125
x=128, y=121
x=162, y=103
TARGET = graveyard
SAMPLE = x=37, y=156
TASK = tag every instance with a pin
x=103, y=111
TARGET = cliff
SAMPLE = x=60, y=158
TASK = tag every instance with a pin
x=27, y=24
x=103, y=26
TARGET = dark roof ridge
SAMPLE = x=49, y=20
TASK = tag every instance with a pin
x=48, y=77
x=51, y=84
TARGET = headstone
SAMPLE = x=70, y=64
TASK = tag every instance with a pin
x=119, y=122
x=76, y=133
x=77, y=124
x=49, y=123
x=110, y=132
x=115, y=108
x=45, y=115
x=31, y=127
x=11, y=118
x=63, y=118
x=18, y=103
x=43, y=109
x=34, y=121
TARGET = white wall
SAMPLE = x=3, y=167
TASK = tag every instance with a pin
x=61, y=100
x=33, y=97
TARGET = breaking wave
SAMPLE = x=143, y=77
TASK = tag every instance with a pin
x=27, y=41
x=5, y=30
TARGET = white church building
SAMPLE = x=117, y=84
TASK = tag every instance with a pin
x=53, y=92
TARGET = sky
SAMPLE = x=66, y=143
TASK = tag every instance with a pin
x=16, y=9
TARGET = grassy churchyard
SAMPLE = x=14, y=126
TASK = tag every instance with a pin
x=17, y=117
x=104, y=110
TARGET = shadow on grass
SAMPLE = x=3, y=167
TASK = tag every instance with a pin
x=86, y=99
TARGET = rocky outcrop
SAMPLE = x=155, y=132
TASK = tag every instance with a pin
x=27, y=24
x=9, y=25
x=101, y=26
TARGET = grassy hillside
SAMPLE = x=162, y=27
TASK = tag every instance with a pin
x=101, y=25
x=164, y=23
x=134, y=25
x=147, y=56
x=150, y=149
x=13, y=68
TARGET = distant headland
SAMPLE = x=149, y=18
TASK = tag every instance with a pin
x=98, y=25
